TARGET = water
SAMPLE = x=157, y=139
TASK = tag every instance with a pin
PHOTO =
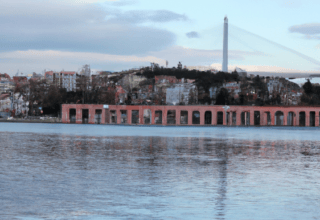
x=57, y=171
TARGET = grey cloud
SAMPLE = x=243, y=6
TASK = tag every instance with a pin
x=49, y=25
x=308, y=29
x=192, y=34
x=139, y=16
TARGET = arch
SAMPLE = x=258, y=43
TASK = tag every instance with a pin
x=196, y=117
x=256, y=117
x=97, y=116
x=290, y=118
x=219, y=118
x=312, y=119
x=72, y=115
x=171, y=117
x=135, y=117
x=302, y=119
x=184, y=117
x=278, y=119
x=208, y=118
x=85, y=116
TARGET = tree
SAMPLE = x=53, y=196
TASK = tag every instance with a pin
x=37, y=90
x=222, y=97
x=308, y=88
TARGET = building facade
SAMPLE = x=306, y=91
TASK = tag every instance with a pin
x=191, y=115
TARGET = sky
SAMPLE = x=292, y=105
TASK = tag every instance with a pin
x=115, y=35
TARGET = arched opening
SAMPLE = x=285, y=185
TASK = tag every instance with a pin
x=278, y=119
x=208, y=117
x=135, y=117
x=302, y=119
x=196, y=117
x=85, y=116
x=184, y=117
x=256, y=118
x=290, y=119
x=97, y=116
x=219, y=118
x=171, y=117
x=312, y=119
x=72, y=115
x=147, y=116
x=158, y=117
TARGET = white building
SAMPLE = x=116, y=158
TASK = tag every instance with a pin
x=63, y=79
x=179, y=93
x=232, y=87
x=274, y=85
x=5, y=102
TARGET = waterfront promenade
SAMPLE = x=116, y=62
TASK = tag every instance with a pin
x=191, y=115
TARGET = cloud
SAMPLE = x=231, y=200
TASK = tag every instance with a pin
x=57, y=25
x=35, y=60
x=317, y=46
x=192, y=34
x=80, y=56
x=307, y=29
x=138, y=16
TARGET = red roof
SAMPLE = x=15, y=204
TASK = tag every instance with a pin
x=50, y=73
x=5, y=76
x=19, y=78
x=4, y=96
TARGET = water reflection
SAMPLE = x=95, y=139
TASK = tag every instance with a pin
x=65, y=176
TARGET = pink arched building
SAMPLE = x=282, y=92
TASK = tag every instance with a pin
x=191, y=115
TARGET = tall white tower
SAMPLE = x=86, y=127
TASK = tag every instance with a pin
x=225, y=46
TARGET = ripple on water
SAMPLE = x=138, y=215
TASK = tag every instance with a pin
x=63, y=176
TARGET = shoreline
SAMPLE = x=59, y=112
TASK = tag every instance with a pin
x=158, y=125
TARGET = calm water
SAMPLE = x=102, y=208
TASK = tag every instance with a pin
x=55, y=171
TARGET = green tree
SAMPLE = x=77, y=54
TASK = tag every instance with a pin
x=308, y=88
x=222, y=97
